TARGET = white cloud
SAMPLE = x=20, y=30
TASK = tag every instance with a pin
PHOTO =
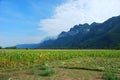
x=75, y=12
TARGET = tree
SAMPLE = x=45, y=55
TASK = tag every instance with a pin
x=0, y=47
x=12, y=47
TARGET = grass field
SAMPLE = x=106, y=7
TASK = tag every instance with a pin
x=59, y=64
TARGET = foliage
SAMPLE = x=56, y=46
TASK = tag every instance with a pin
x=4, y=77
x=21, y=58
x=41, y=62
x=12, y=47
x=110, y=76
x=47, y=72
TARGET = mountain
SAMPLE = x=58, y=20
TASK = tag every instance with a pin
x=27, y=46
x=84, y=36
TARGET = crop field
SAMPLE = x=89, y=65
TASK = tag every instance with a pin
x=22, y=64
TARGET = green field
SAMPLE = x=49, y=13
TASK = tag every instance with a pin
x=59, y=64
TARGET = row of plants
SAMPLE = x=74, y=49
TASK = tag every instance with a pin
x=19, y=58
x=106, y=61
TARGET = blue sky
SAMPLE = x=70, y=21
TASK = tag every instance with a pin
x=19, y=20
x=31, y=21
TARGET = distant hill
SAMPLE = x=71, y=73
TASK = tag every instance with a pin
x=84, y=36
x=27, y=46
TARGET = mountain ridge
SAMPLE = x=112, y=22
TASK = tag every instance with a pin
x=84, y=36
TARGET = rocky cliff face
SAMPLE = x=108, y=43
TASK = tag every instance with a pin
x=82, y=29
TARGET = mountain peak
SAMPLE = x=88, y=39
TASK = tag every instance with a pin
x=77, y=29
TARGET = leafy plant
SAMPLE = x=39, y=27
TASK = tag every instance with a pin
x=47, y=72
x=4, y=77
x=110, y=76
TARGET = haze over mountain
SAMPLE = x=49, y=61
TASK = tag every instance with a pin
x=97, y=35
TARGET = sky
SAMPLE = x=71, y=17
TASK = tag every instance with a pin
x=32, y=21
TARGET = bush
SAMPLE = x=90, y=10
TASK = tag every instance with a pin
x=110, y=76
x=4, y=77
x=47, y=72
x=0, y=47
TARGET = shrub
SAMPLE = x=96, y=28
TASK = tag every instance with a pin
x=110, y=76
x=47, y=72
